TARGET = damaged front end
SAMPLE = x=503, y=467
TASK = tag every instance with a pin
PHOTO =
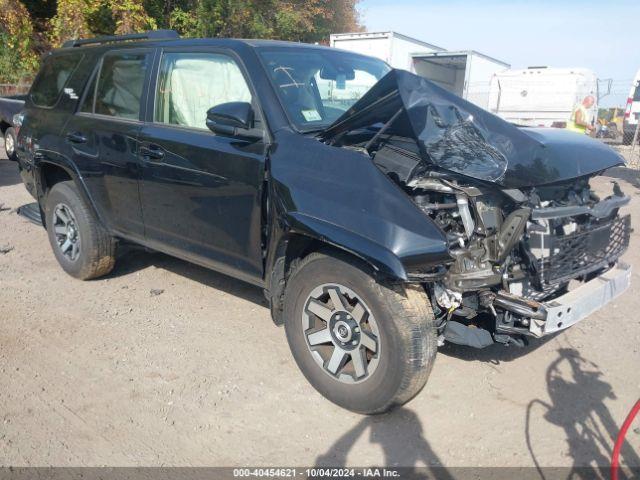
x=533, y=248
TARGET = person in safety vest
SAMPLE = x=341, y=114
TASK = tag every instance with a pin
x=579, y=121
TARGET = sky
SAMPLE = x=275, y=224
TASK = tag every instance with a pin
x=603, y=36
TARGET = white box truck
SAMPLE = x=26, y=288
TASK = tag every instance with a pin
x=541, y=96
x=392, y=47
x=466, y=73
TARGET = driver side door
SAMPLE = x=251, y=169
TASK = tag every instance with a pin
x=201, y=192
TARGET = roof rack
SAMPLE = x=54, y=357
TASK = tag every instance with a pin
x=150, y=35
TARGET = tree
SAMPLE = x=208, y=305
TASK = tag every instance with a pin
x=17, y=56
x=130, y=16
x=31, y=27
x=71, y=20
x=297, y=20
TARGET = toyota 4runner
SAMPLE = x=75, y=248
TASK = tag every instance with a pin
x=381, y=214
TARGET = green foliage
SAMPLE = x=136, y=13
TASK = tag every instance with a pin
x=33, y=26
x=17, y=58
x=70, y=20
x=186, y=23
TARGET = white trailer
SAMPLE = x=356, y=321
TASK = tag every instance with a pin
x=465, y=73
x=392, y=47
x=541, y=96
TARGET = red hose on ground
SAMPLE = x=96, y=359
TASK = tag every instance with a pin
x=620, y=440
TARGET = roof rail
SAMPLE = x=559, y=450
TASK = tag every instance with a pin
x=150, y=35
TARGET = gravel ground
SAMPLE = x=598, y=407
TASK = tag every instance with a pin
x=166, y=363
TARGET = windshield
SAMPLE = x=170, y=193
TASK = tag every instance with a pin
x=316, y=86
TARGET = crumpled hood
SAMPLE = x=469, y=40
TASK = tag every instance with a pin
x=456, y=135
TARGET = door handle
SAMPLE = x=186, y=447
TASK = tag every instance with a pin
x=152, y=152
x=76, y=137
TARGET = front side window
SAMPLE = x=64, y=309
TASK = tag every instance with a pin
x=317, y=86
x=120, y=85
x=189, y=84
x=53, y=77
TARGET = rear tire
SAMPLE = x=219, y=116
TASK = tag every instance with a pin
x=82, y=246
x=10, y=144
x=398, y=317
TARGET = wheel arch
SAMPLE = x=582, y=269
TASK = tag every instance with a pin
x=307, y=235
x=49, y=172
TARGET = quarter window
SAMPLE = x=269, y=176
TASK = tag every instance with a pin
x=120, y=85
x=189, y=84
x=53, y=77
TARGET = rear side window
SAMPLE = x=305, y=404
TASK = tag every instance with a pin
x=189, y=84
x=636, y=95
x=120, y=85
x=53, y=77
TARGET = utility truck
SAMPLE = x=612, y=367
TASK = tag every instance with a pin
x=542, y=96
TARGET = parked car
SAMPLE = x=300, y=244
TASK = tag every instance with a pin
x=378, y=228
x=632, y=112
x=10, y=106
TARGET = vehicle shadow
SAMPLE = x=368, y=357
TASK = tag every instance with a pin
x=577, y=393
x=131, y=259
x=494, y=354
x=9, y=174
x=401, y=437
x=623, y=173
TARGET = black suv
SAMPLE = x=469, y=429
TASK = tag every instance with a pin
x=381, y=214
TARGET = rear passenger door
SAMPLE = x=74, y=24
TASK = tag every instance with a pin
x=201, y=192
x=103, y=136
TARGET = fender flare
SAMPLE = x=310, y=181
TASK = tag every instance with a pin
x=383, y=260
x=52, y=158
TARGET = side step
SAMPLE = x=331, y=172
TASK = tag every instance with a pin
x=31, y=211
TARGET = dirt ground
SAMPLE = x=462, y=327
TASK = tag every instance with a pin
x=166, y=363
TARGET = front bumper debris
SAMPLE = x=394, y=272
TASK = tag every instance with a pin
x=554, y=315
x=578, y=304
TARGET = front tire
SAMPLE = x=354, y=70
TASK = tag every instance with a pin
x=366, y=345
x=10, y=144
x=82, y=246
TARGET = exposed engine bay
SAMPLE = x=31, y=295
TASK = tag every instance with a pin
x=511, y=248
x=533, y=248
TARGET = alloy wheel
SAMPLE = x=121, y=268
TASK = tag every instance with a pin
x=341, y=333
x=9, y=145
x=66, y=231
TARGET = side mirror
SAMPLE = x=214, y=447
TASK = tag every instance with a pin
x=234, y=119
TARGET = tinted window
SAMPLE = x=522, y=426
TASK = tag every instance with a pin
x=120, y=85
x=90, y=95
x=52, y=79
x=189, y=84
x=636, y=95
